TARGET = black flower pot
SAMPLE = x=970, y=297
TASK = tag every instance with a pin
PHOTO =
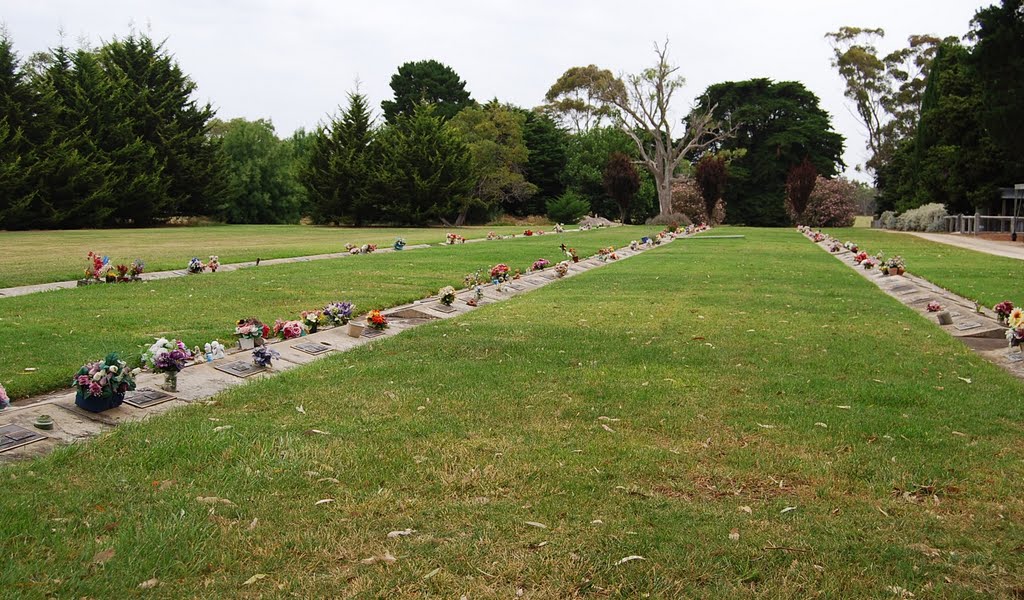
x=97, y=404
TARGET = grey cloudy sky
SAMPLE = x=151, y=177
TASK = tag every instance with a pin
x=293, y=61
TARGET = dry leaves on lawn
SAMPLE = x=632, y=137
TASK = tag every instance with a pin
x=386, y=558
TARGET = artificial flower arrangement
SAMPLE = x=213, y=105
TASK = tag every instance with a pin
x=492, y=236
x=130, y=272
x=896, y=265
x=835, y=247
x=818, y=237
x=1015, y=333
x=214, y=263
x=860, y=257
x=399, y=244
x=353, y=249
x=338, y=313
x=447, y=295
x=540, y=264
x=100, y=269
x=868, y=263
x=559, y=228
x=376, y=320
x=312, y=319
x=634, y=245
x=1003, y=310
x=167, y=357
x=851, y=247
x=933, y=306
x=102, y=384
x=499, y=273
x=287, y=330
x=562, y=268
x=262, y=356
x=584, y=227
x=195, y=265
x=97, y=267
x=454, y=238
x=5, y=401
x=517, y=274
x=251, y=332
x=528, y=232
x=367, y=248
x=475, y=280
x=606, y=254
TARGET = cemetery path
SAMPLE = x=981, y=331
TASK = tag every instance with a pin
x=198, y=382
x=995, y=248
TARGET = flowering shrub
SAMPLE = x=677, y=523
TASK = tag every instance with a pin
x=338, y=313
x=687, y=201
x=376, y=320
x=102, y=378
x=833, y=203
x=167, y=356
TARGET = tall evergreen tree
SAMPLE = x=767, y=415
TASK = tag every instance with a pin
x=17, y=104
x=426, y=82
x=426, y=171
x=338, y=173
x=545, y=145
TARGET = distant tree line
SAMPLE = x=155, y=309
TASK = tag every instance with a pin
x=945, y=120
x=115, y=137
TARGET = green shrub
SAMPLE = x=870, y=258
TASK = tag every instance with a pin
x=930, y=217
x=567, y=208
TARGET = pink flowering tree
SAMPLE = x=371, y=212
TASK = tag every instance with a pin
x=833, y=203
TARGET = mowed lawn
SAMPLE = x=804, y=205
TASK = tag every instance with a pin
x=56, y=332
x=973, y=275
x=42, y=256
x=750, y=417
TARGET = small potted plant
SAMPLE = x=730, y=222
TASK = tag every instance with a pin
x=896, y=265
x=1003, y=310
x=167, y=357
x=102, y=385
x=447, y=295
x=251, y=332
x=262, y=356
x=338, y=313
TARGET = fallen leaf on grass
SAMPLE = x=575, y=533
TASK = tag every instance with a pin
x=214, y=500
x=324, y=501
x=607, y=428
x=401, y=532
x=431, y=574
x=822, y=425
x=627, y=559
x=300, y=409
x=734, y=535
x=254, y=578
x=222, y=428
x=965, y=379
x=536, y=524
x=787, y=509
x=331, y=479
x=315, y=432
x=149, y=584
x=747, y=510
x=103, y=556
x=958, y=433
x=609, y=419
x=843, y=406
x=252, y=524
x=386, y=558
x=539, y=545
x=763, y=426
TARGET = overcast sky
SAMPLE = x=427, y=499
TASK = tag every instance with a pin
x=293, y=61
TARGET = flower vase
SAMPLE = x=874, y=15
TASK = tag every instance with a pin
x=96, y=404
x=246, y=343
x=355, y=329
x=170, y=381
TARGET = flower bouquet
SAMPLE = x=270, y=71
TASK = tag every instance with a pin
x=5, y=401
x=287, y=330
x=353, y=250
x=562, y=268
x=860, y=257
x=851, y=247
x=499, y=273
x=195, y=265
x=447, y=295
x=492, y=236
x=97, y=266
x=367, y=248
x=312, y=319
x=167, y=357
x=214, y=263
x=559, y=228
x=101, y=385
x=1015, y=333
x=896, y=265
x=528, y=232
x=376, y=320
x=262, y=356
x=454, y=238
x=868, y=263
x=399, y=244
x=338, y=313
x=540, y=264
x=634, y=245
x=933, y=306
x=250, y=332
x=1003, y=310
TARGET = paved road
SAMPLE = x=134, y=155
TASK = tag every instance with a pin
x=1007, y=249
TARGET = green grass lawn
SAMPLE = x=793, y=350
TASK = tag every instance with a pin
x=43, y=256
x=56, y=332
x=750, y=416
x=974, y=275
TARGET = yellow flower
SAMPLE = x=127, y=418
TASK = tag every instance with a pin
x=1016, y=319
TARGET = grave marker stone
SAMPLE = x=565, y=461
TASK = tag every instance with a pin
x=967, y=325
x=443, y=308
x=240, y=368
x=13, y=436
x=145, y=398
x=313, y=348
x=372, y=333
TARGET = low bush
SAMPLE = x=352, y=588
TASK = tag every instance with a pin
x=677, y=219
x=567, y=208
x=929, y=217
